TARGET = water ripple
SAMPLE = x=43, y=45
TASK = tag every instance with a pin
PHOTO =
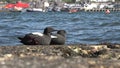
x=81, y=27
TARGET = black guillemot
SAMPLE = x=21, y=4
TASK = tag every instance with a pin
x=59, y=38
x=36, y=38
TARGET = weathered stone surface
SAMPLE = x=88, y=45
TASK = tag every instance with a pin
x=74, y=56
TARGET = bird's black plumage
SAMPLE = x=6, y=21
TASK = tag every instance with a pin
x=34, y=39
x=60, y=38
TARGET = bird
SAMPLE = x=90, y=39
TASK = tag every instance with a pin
x=59, y=38
x=37, y=38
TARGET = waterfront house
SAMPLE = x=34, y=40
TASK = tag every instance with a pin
x=44, y=5
x=102, y=0
x=99, y=4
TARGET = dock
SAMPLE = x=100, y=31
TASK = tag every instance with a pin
x=98, y=10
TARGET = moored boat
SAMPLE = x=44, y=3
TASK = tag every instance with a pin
x=35, y=10
x=73, y=10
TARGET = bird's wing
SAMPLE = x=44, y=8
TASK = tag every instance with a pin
x=52, y=36
x=37, y=33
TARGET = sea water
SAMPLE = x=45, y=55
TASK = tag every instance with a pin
x=81, y=27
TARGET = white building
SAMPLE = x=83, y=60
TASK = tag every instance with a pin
x=102, y=0
x=78, y=0
x=96, y=4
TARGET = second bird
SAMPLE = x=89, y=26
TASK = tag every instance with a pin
x=59, y=38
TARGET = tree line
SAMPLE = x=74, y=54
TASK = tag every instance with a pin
x=67, y=1
x=14, y=1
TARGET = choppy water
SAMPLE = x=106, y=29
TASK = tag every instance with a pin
x=81, y=27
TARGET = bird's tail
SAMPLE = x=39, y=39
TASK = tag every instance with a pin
x=20, y=38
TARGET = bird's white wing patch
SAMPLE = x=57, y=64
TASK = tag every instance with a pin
x=53, y=36
x=37, y=33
